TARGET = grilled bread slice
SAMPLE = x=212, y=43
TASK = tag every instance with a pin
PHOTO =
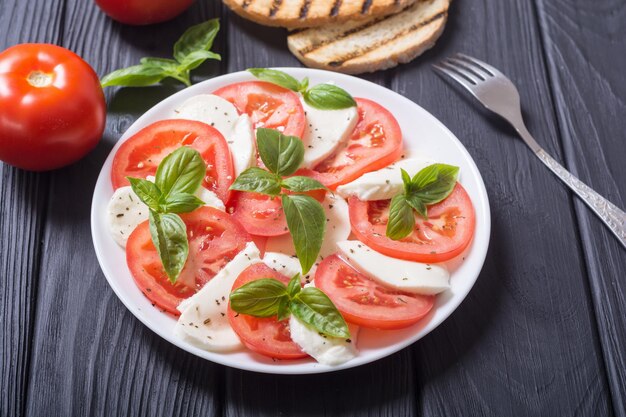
x=374, y=44
x=308, y=13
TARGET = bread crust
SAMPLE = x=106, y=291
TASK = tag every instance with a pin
x=294, y=14
x=374, y=44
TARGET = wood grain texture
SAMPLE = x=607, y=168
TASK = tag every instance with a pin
x=22, y=216
x=542, y=332
x=524, y=341
x=586, y=49
x=90, y=356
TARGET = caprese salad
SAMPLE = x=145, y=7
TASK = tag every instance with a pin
x=281, y=217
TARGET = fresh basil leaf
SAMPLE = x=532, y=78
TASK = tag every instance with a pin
x=281, y=154
x=275, y=77
x=304, y=84
x=196, y=58
x=181, y=171
x=307, y=222
x=328, y=97
x=165, y=64
x=169, y=235
x=259, y=298
x=180, y=203
x=435, y=182
x=294, y=286
x=198, y=37
x=314, y=308
x=406, y=180
x=147, y=192
x=401, y=218
x=417, y=204
x=283, y=309
x=135, y=76
x=257, y=180
x=301, y=184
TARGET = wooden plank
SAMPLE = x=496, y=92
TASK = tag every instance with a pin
x=90, y=355
x=384, y=388
x=585, y=47
x=523, y=343
x=22, y=214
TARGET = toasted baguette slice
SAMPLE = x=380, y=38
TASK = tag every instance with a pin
x=375, y=44
x=308, y=13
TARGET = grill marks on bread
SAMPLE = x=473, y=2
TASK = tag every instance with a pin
x=378, y=43
x=308, y=13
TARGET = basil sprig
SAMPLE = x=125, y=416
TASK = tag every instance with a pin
x=320, y=96
x=178, y=176
x=268, y=297
x=306, y=220
x=190, y=51
x=429, y=186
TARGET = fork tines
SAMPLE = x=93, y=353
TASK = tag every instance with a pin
x=465, y=69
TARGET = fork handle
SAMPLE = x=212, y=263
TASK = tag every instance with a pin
x=609, y=213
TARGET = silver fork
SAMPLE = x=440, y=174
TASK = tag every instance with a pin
x=497, y=93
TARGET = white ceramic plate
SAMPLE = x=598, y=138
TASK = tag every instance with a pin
x=422, y=132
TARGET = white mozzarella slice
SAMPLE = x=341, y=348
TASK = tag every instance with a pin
x=383, y=184
x=242, y=145
x=325, y=130
x=124, y=212
x=326, y=350
x=413, y=277
x=222, y=114
x=210, y=109
x=210, y=198
x=288, y=265
x=203, y=320
x=337, y=229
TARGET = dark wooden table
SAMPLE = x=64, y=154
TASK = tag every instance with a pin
x=543, y=332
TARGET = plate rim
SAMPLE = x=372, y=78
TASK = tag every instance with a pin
x=314, y=368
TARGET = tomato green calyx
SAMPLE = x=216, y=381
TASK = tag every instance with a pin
x=40, y=79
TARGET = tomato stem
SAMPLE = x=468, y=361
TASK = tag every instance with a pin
x=39, y=79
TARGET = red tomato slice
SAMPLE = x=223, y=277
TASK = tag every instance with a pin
x=268, y=105
x=141, y=154
x=263, y=215
x=364, y=302
x=375, y=143
x=266, y=336
x=447, y=232
x=260, y=214
x=214, y=239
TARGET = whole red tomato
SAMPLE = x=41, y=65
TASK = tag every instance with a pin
x=143, y=12
x=52, y=109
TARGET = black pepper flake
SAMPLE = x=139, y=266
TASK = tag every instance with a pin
x=207, y=321
x=351, y=250
x=222, y=314
x=330, y=206
x=120, y=215
x=349, y=340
